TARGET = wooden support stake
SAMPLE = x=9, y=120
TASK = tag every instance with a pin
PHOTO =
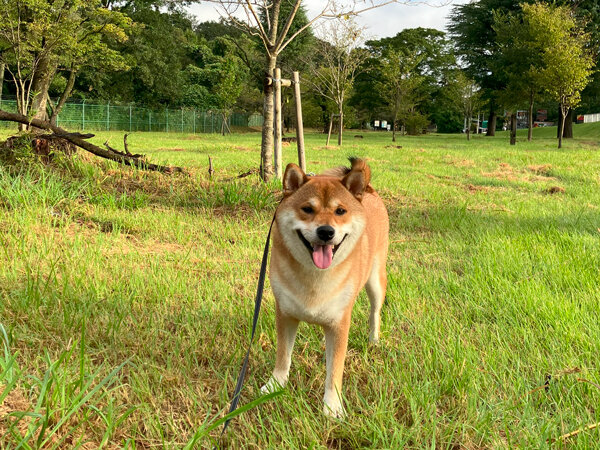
x=277, y=124
x=210, y=168
x=329, y=133
x=299, y=123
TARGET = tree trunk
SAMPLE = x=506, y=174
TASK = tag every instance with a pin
x=561, y=127
x=40, y=86
x=491, y=130
x=567, y=131
x=266, y=149
x=568, y=126
x=63, y=97
x=2, y=69
x=468, y=129
x=341, y=129
x=513, y=129
x=394, y=129
x=329, y=132
x=530, y=131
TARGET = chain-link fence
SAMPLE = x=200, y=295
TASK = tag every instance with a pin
x=97, y=117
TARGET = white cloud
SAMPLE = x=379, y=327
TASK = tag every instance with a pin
x=381, y=22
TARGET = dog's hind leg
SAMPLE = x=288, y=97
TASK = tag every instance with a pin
x=286, y=335
x=376, y=287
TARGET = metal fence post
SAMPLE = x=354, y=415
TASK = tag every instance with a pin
x=204, y=121
x=130, y=117
x=194, y=126
x=150, y=120
x=167, y=118
x=182, y=120
x=108, y=116
x=83, y=115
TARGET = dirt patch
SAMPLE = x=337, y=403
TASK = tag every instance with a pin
x=555, y=190
x=543, y=169
x=14, y=402
x=462, y=163
x=592, y=144
x=504, y=172
x=473, y=188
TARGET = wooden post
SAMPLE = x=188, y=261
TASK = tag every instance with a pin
x=211, y=170
x=299, y=123
x=277, y=124
x=330, y=127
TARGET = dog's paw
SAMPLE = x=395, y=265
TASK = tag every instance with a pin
x=273, y=385
x=334, y=409
x=373, y=339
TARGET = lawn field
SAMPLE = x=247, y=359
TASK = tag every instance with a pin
x=126, y=299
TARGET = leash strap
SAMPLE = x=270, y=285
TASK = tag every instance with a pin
x=257, y=302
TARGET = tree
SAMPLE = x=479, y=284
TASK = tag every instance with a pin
x=434, y=60
x=400, y=82
x=161, y=45
x=471, y=26
x=520, y=40
x=469, y=96
x=275, y=37
x=43, y=36
x=339, y=59
x=567, y=62
x=223, y=76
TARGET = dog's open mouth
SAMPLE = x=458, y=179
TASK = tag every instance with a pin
x=322, y=255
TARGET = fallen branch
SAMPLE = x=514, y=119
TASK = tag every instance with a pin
x=78, y=139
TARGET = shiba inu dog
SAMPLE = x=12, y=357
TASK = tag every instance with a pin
x=330, y=240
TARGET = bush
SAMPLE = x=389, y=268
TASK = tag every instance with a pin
x=416, y=124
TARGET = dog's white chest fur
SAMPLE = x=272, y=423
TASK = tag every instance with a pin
x=323, y=301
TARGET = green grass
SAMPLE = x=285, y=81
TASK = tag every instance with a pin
x=127, y=298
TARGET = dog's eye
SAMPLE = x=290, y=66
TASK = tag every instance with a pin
x=340, y=211
x=308, y=209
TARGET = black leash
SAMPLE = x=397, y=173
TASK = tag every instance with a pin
x=257, y=302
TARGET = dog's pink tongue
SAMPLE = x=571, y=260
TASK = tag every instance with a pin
x=322, y=255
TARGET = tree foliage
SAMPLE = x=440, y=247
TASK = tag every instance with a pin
x=38, y=38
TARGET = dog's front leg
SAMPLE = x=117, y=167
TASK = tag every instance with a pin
x=286, y=335
x=336, y=344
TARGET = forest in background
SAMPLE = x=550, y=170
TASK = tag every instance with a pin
x=153, y=53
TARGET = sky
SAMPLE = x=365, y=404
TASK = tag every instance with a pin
x=381, y=22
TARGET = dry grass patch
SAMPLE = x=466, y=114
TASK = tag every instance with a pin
x=14, y=402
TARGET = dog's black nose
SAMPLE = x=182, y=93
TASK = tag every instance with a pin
x=325, y=232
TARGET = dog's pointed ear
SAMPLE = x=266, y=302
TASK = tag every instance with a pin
x=293, y=179
x=359, y=177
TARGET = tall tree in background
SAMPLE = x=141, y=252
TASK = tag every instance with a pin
x=43, y=36
x=276, y=36
x=520, y=43
x=471, y=26
x=338, y=60
x=469, y=96
x=435, y=61
x=566, y=59
x=400, y=81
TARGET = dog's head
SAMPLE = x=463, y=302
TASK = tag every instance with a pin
x=321, y=218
